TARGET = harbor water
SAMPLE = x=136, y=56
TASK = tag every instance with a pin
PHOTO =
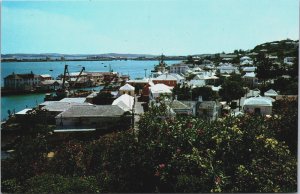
x=15, y=103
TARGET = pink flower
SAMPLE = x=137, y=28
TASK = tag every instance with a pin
x=161, y=166
x=200, y=131
x=189, y=125
x=218, y=180
x=178, y=150
x=157, y=173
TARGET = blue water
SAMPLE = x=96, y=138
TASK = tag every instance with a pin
x=18, y=102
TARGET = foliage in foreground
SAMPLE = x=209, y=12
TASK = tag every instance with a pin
x=182, y=154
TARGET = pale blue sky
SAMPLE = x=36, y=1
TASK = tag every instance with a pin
x=172, y=27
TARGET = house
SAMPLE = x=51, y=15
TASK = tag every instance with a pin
x=227, y=68
x=158, y=90
x=271, y=93
x=45, y=77
x=95, y=117
x=56, y=107
x=249, y=69
x=250, y=79
x=22, y=81
x=245, y=60
x=289, y=60
x=180, y=108
x=20, y=114
x=127, y=89
x=139, y=84
x=74, y=100
x=258, y=105
x=166, y=79
x=125, y=102
x=194, y=83
x=180, y=68
x=52, y=84
x=208, y=110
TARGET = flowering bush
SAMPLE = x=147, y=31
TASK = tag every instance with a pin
x=169, y=154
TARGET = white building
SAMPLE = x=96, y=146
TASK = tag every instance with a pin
x=22, y=81
x=250, y=78
x=125, y=102
x=159, y=89
x=289, y=60
x=180, y=68
x=127, y=89
x=227, y=68
x=271, y=93
x=258, y=105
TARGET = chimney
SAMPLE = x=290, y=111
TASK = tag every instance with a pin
x=200, y=99
x=175, y=97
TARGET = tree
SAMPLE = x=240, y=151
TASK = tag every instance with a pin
x=206, y=92
x=183, y=92
x=231, y=90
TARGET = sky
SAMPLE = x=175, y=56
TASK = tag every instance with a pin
x=172, y=27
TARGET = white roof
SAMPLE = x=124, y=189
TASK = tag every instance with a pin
x=77, y=73
x=260, y=101
x=127, y=87
x=245, y=58
x=24, y=111
x=249, y=68
x=271, y=92
x=125, y=102
x=197, y=82
x=145, y=80
x=177, y=76
x=45, y=75
x=160, y=88
x=216, y=89
x=166, y=77
x=78, y=100
x=249, y=75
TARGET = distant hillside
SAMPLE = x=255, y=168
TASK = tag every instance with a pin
x=279, y=48
x=110, y=55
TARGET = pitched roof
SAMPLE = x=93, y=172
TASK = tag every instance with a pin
x=260, y=101
x=175, y=104
x=92, y=111
x=127, y=87
x=271, y=92
x=125, y=102
x=62, y=106
x=249, y=75
x=77, y=100
x=165, y=77
x=160, y=88
x=207, y=104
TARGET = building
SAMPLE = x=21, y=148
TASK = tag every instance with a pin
x=245, y=60
x=250, y=79
x=180, y=68
x=158, y=90
x=180, y=108
x=127, y=89
x=22, y=81
x=167, y=79
x=289, y=60
x=95, y=117
x=52, y=84
x=45, y=77
x=208, y=110
x=125, y=102
x=227, y=68
x=271, y=93
x=249, y=69
x=258, y=105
